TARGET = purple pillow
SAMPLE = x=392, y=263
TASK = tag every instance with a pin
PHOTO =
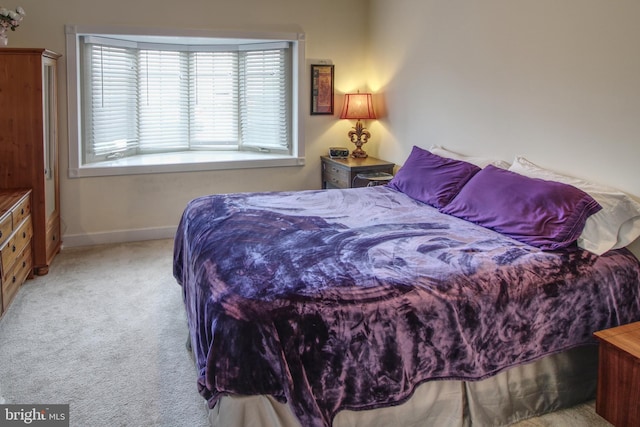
x=546, y=214
x=432, y=179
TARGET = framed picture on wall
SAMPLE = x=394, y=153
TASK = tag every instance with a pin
x=321, y=89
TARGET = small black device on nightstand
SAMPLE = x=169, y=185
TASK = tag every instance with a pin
x=338, y=152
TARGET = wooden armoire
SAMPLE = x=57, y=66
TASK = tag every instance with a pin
x=29, y=142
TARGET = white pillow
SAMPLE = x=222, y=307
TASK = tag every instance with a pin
x=613, y=227
x=481, y=162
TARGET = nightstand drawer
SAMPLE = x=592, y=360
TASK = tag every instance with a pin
x=337, y=177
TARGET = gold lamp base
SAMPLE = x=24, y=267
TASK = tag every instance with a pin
x=359, y=136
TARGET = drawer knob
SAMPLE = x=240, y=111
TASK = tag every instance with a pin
x=13, y=248
x=24, y=264
x=13, y=279
x=0, y=234
x=22, y=211
x=24, y=234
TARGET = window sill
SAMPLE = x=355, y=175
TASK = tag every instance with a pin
x=188, y=161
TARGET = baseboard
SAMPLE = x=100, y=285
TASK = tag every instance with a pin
x=117, y=236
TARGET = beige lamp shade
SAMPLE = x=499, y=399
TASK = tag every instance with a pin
x=358, y=106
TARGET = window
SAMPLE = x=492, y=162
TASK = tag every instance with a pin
x=148, y=103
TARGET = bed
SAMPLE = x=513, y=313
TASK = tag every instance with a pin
x=383, y=305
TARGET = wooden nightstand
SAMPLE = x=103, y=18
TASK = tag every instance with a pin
x=342, y=173
x=618, y=398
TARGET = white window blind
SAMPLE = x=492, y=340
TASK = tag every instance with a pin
x=214, y=99
x=110, y=101
x=140, y=98
x=163, y=81
x=263, y=98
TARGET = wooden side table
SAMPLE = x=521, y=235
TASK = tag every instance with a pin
x=342, y=173
x=618, y=396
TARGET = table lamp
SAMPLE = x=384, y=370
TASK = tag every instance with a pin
x=358, y=106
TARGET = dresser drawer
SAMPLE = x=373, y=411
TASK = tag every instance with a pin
x=12, y=248
x=6, y=227
x=21, y=211
x=16, y=276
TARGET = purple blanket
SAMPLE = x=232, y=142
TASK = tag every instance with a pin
x=339, y=299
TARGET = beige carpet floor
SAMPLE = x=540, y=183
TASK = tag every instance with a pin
x=104, y=331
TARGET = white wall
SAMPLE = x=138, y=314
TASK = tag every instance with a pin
x=556, y=81
x=97, y=210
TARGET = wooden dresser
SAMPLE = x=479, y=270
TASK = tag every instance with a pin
x=618, y=397
x=16, y=230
